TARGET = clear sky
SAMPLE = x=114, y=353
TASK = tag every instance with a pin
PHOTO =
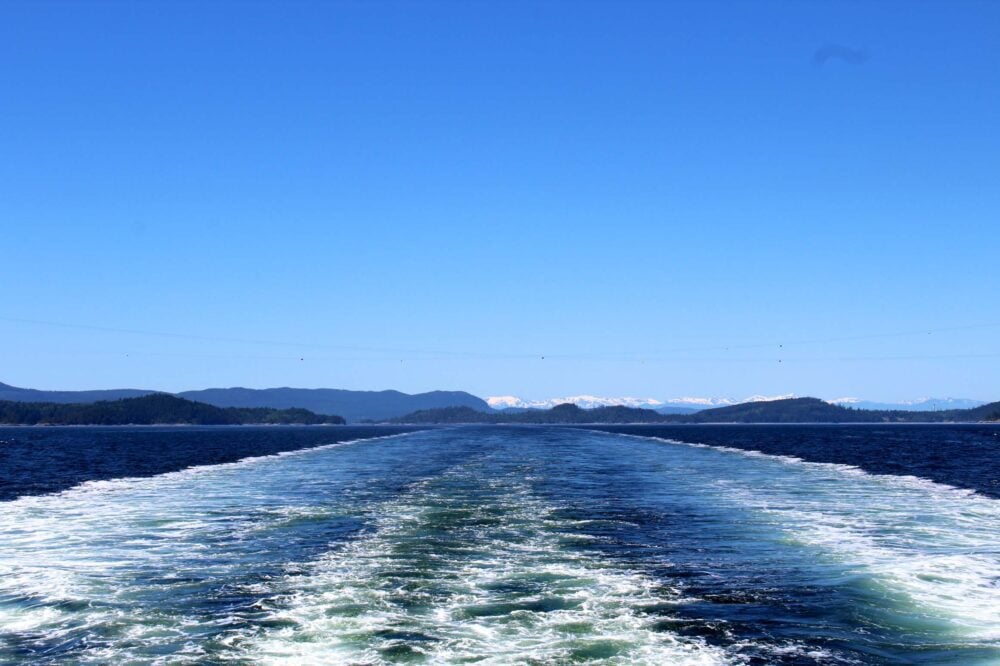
x=651, y=196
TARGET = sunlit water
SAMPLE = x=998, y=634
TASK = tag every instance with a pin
x=503, y=545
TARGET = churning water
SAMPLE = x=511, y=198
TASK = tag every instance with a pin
x=499, y=545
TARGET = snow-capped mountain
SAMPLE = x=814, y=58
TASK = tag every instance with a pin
x=699, y=403
x=707, y=403
x=687, y=404
x=768, y=398
x=583, y=401
x=504, y=402
x=683, y=404
x=918, y=405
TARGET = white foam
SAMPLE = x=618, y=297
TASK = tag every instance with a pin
x=925, y=546
x=924, y=543
x=69, y=557
x=574, y=606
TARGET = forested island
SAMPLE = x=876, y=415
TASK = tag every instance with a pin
x=154, y=409
x=793, y=410
x=164, y=408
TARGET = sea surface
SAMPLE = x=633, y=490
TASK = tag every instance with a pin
x=500, y=545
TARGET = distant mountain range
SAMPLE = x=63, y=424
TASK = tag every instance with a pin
x=688, y=405
x=668, y=406
x=919, y=405
x=352, y=405
x=17, y=394
x=583, y=401
x=510, y=402
x=152, y=409
x=813, y=410
x=163, y=408
x=357, y=406
x=788, y=410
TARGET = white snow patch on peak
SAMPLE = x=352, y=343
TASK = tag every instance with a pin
x=587, y=401
x=845, y=401
x=769, y=398
x=725, y=402
x=504, y=401
x=584, y=401
x=701, y=402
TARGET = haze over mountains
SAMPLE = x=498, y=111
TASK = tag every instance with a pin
x=357, y=406
x=510, y=402
x=17, y=394
x=919, y=405
x=154, y=409
x=686, y=405
x=787, y=410
x=354, y=406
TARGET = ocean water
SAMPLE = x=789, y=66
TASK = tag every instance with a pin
x=498, y=545
x=963, y=455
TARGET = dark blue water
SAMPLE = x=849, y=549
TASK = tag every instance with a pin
x=963, y=455
x=46, y=459
x=499, y=545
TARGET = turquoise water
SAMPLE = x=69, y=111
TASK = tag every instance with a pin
x=503, y=545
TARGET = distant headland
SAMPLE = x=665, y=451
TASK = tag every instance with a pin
x=791, y=410
x=232, y=406
x=153, y=409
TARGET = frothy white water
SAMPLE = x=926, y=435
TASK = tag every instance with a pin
x=453, y=582
x=86, y=561
x=472, y=564
x=928, y=546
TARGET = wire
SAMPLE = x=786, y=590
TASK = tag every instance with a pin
x=438, y=355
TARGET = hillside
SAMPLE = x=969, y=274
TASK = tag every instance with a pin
x=352, y=405
x=573, y=414
x=560, y=414
x=303, y=405
x=451, y=415
x=792, y=410
x=987, y=412
x=17, y=394
x=158, y=408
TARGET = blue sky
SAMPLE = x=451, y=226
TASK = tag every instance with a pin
x=651, y=196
